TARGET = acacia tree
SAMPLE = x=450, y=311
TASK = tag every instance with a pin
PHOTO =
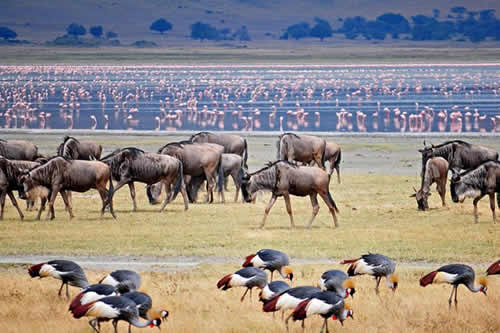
x=96, y=31
x=7, y=33
x=161, y=25
x=322, y=29
x=76, y=30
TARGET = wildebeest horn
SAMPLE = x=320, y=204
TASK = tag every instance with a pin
x=424, y=143
x=414, y=189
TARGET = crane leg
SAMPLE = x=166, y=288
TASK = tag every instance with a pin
x=272, y=276
x=456, y=302
x=60, y=289
x=244, y=294
x=303, y=325
x=378, y=283
x=67, y=291
x=115, y=325
x=323, y=327
x=92, y=324
x=451, y=296
x=129, y=328
x=287, y=319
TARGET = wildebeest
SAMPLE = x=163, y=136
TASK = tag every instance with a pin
x=333, y=154
x=18, y=150
x=476, y=183
x=301, y=148
x=60, y=175
x=10, y=173
x=74, y=149
x=436, y=171
x=233, y=144
x=459, y=154
x=232, y=164
x=129, y=165
x=198, y=160
x=283, y=178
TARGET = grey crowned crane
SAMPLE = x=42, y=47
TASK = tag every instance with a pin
x=289, y=300
x=338, y=282
x=69, y=272
x=494, y=268
x=123, y=280
x=455, y=274
x=145, y=306
x=377, y=265
x=326, y=304
x=113, y=308
x=248, y=277
x=272, y=289
x=271, y=260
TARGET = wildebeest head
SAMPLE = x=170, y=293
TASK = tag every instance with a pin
x=25, y=186
x=247, y=187
x=153, y=192
x=461, y=189
x=421, y=198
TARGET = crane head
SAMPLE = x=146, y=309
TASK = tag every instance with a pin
x=483, y=282
x=393, y=282
x=349, y=288
x=287, y=272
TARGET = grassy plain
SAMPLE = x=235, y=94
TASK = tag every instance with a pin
x=195, y=305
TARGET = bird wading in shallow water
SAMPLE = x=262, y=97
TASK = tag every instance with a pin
x=248, y=277
x=271, y=260
x=376, y=265
x=455, y=274
x=69, y=272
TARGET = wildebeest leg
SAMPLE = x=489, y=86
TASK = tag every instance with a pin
x=42, y=207
x=51, y=213
x=314, y=202
x=235, y=182
x=474, y=202
x=268, y=209
x=210, y=187
x=492, y=206
x=2, y=204
x=167, y=198
x=442, y=192
x=184, y=196
x=64, y=195
x=70, y=198
x=132, y=195
x=289, y=208
x=325, y=198
x=21, y=215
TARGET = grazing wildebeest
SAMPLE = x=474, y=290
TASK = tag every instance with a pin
x=436, y=171
x=301, y=148
x=198, y=160
x=74, y=149
x=18, y=150
x=459, y=154
x=60, y=175
x=10, y=173
x=232, y=164
x=476, y=183
x=283, y=178
x=333, y=154
x=129, y=165
x=233, y=144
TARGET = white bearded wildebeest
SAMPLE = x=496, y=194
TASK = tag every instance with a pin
x=73, y=149
x=198, y=160
x=476, y=183
x=436, y=171
x=19, y=150
x=60, y=175
x=10, y=173
x=283, y=178
x=459, y=154
x=233, y=144
x=301, y=148
x=129, y=165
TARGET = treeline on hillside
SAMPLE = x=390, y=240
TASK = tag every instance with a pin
x=459, y=24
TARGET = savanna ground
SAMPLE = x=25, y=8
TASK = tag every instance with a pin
x=376, y=215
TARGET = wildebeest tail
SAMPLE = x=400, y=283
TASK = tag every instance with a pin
x=323, y=155
x=336, y=164
x=278, y=147
x=111, y=189
x=332, y=202
x=220, y=180
x=498, y=199
x=245, y=153
x=178, y=183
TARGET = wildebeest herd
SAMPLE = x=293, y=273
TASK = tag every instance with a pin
x=184, y=166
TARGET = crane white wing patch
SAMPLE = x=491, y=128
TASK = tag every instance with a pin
x=109, y=280
x=286, y=301
x=363, y=268
x=48, y=270
x=102, y=310
x=321, y=284
x=443, y=277
x=267, y=293
x=317, y=306
x=257, y=261
x=92, y=296
x=238, y=280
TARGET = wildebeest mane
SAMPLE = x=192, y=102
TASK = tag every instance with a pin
x=134, y=152
x=466, y=172
x=289, y=133
x=451, y=142
x=198, y=134
x=70, y=147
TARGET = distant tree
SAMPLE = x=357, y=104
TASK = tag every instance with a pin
x=428, y=28
x=353, y=27
x=322, y=29
x=242, y=33
x=75, y=29
x=394, y=24
x=435, y=13
x=375, y=30
x=459, y=11
x=111, y=35
x=161, y=25
x=297, y=31
x=7, y=33
x=201, y=31
x=96, y=31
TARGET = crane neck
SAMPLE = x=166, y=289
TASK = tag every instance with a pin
x=473, y=288
x=141, y=324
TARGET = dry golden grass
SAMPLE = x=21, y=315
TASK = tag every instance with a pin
x=195, y=305
x=376, y=215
